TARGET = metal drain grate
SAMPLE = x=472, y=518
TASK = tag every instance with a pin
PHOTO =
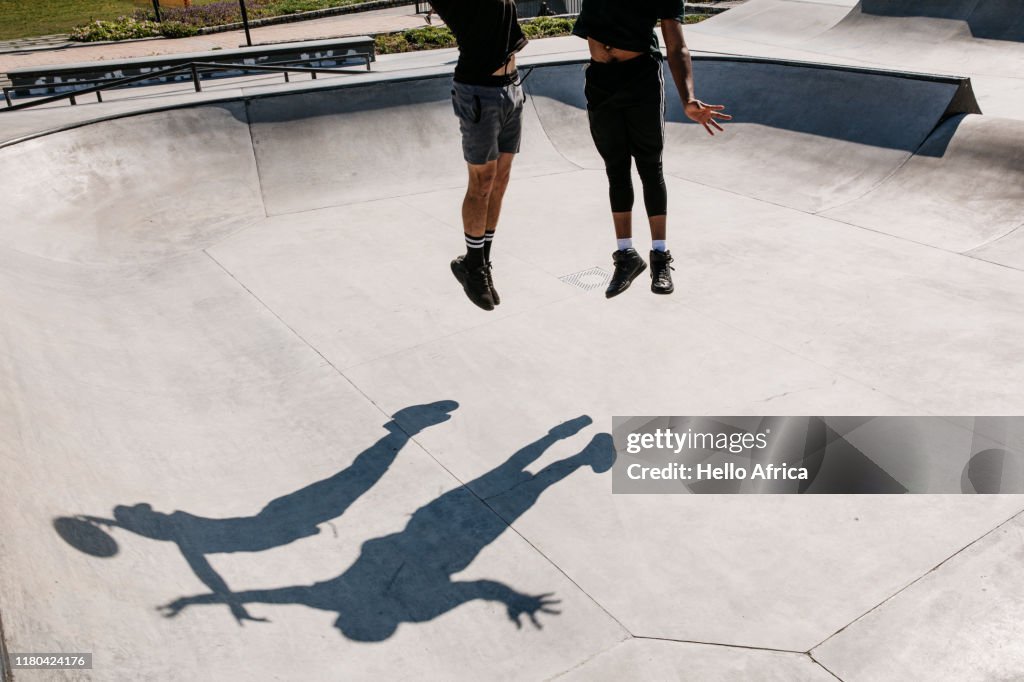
x=588, y=280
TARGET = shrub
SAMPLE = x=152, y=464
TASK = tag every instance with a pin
x=547, y=27
x=391, y=43
x=122, y=28
x=433, y=37
x=177, y=29
x=429, y=38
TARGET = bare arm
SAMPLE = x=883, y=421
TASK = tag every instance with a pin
x=681, y=66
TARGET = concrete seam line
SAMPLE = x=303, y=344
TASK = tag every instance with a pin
x=747, y=647
x=588, y=659
x=553, y=564
x=989, y=242
x=997, y=264
x=918, y=579
x=823, y=666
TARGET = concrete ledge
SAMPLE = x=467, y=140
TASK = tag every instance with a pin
x=327, y=53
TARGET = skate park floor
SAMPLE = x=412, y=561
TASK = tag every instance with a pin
x=230, y=337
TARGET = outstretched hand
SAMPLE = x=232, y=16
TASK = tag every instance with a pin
x=706, y=114
x=531, y=606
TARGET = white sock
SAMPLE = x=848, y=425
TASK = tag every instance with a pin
x=626, y=243
x=659, y=245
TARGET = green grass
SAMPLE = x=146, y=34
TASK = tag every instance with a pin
x=27, y=18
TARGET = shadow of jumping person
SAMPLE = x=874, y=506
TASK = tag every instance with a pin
x=284, y=520
x=406, y=577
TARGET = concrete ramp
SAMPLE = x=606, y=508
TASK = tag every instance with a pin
x=781, y=22
x=932, y=35
x=988, y=19
x=251, y=429
x=963, y=189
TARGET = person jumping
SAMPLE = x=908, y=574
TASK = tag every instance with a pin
x=488, y=101
x=625, y=90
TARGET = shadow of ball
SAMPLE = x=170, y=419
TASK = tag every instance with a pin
x=85, y=536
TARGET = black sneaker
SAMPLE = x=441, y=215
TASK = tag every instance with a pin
x=494, y=292
x=476, y=283
x=661, y=272
x=460, y=275
x=628, y=264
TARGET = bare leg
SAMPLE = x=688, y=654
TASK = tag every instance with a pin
x=503, y=173
x=476, y=205
x=623, y=225
x=658, y=226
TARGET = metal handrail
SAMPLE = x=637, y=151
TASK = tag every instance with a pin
x=194, y=67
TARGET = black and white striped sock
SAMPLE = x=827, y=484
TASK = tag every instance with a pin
x=488, y=238
x=474, y=251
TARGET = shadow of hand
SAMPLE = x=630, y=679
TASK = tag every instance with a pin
x=520, y=604
x=571, y=427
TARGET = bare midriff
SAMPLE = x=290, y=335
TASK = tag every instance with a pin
x=599, y=52
x=509, y=67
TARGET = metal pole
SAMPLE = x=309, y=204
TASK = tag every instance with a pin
x=245, y=23
x=156, y=9
x=195, y=79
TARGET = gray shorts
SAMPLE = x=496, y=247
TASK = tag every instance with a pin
x=491, y=120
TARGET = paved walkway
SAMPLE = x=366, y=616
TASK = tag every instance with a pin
x=36, y=43
x=378, y=21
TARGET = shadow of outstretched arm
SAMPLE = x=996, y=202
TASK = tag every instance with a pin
x=204, y=571
x=516, y=604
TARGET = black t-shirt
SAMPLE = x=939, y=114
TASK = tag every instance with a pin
x=487, y=31
x=626, y=24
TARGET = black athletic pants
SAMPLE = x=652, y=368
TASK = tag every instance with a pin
x=626, y=107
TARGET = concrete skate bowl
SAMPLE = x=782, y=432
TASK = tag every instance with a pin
x=175, y=300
